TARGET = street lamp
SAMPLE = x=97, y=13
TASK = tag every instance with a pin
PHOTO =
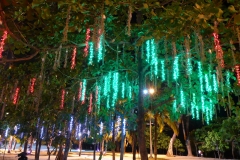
x=151, y=92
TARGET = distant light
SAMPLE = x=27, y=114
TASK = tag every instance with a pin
x=151, y=90
x=145, y=91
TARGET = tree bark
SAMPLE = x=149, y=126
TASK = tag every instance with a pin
x=155, y=135
x=150, y=135
x=113, y=138
x=170, y=147
x=134, y=139
x=122, y=139
x=141, y=111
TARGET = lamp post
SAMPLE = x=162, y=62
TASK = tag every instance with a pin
x=150, y=92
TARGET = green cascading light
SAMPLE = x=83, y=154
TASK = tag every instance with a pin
x=175, y=68
x=189, y=66
x=115, y=87
x=130, y=92
x=91, y=53
x=208, y=86
x=174, y=106
x=100, y=49
x=108, y=102
x=200, y=75
x=154, y=60
x=163, y=75
x=195, y=106
x=148, y=49
x=107, y=83
x=182, y=100
x=123, y=90
x=228, y=84
x=84, y=90
x=215, y=83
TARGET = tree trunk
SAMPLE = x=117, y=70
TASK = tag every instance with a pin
x=233, y=146
x=170, y=147
x=141, y=111
x=122, y=139
x=113, y=138
x=155, y=135
x=186, y=135
x=60, y=153
x=150, y=135
x=80, y=147
x=189, y=149
x=67, y=146
x=134, y=140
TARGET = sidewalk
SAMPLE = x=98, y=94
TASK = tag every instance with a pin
x=89, y=156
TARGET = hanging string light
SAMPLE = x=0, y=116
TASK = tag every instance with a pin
x=218, y=49
x=124, y=126
x=228, y=80
x=154, y=60
x=6, y=132
x=101, y=128
x=215, y=83
x=108, y=102
x=80, y=91
x=2, y=43
x=148, y=50
x=192, y=110
x=15, y=98
x=174, y=106
x=100, y=49
x=123, y=90
x=74, y=58
x=211, y=109
x=195, y=106
x=208, y=87
x=91, y=53
x=200, y=75
x=87, y=42
x=130, y=92
x=98, y=100
x=62, y=99
x=182, y=99
x=163, y=75
x=71, y=124
x=189, y=65
x=115, y=88
x=90, y=104
x=175, y=68
x=41, y=134
x=237, y=70
x=83, y=91
x=33, y=80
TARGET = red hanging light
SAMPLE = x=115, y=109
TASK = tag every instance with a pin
x=87, y=42
x=90, y=104
x=237, y=70
x=33, y=80
x=15, y=98
x=4, y=37
x=74, y=58
x=218, y=49
x=62, y=99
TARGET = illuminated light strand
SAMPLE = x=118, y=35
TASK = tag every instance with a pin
x=124, y=126
x=163, y=75
x=91, y=53
x=41, y=134
x=228, y=80
x=115, y=87
x=203, y=103
x=108, y=102
x=208, y=87
x=195, y=105
x=2, y=43
x=80, y=91
x=33, y=80
x=74, y=58
x=154, y=60
x=99, y=96
x=15, y=98
x=123, y=90
x=101, y=128
x=90, y=104
x=211, y=110
x=118, y=123
x=200, y=76
x=237, y=70
x=192, y=110
x=71, y=124
x=182, y=99
x=148, y=51
x=87, y=42
x=6, y=132
x=215, y=83
x=207, y=116
x=130, y=92
x=189, y=66
x=84, y=91
x=175, y=68
x=218, y=49
x=62, y=99
x=100, y=49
